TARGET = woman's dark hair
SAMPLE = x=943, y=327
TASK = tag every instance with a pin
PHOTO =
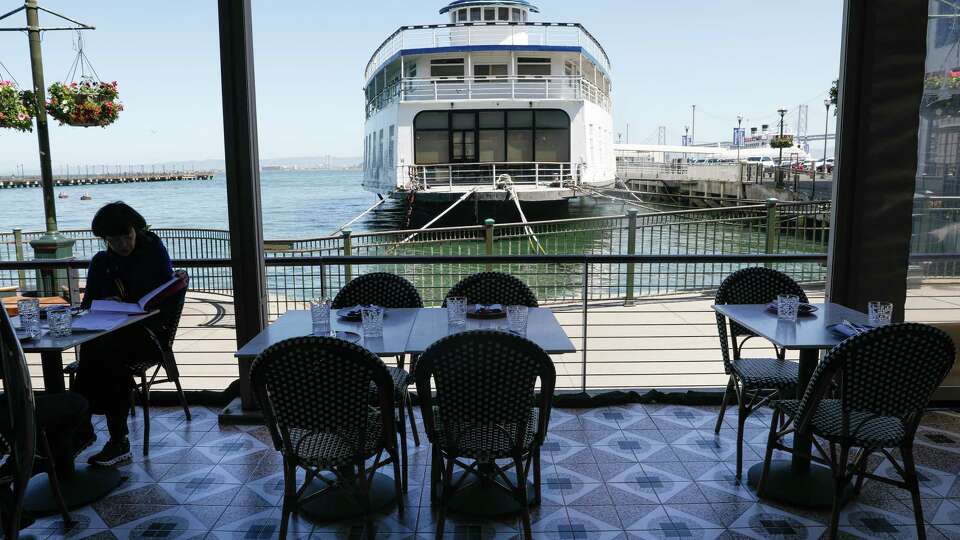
x=117, y=218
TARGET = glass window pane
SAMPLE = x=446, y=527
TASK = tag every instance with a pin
x=491, y=119
x=553, y=145
x=504, y=14
x=520, y=145
x=431, y=120
x=461, y=15
x=520, y=119
x=490, y=14
x=464, y=120
x=469, y=145
x=516, y=15
x=492, y=146
x=533, y=66
x=474, y=14
x=452, y=67
x=552, y=119
x=432, y=147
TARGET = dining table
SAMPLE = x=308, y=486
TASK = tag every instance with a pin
x=796, y=481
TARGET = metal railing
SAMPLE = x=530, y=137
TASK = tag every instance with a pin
x=492, y=174
x=466, y=34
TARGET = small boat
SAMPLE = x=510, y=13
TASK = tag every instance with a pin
x=86, y=197
x=63, y=195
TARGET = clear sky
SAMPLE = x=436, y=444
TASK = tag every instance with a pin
x=725, y=56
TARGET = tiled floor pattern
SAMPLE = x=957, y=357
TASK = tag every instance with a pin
x=639, y=471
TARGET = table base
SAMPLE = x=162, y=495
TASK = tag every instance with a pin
x=338, y=503
x=476, y=499
x=811, y=490
x=86, y=485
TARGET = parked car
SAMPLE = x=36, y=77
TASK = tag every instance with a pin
x=829, y=165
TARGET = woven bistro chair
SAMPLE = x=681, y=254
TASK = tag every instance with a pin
x=389, y=291
x=754, y=381
x=161, y=333
x=485, y=409
x=20, y=445
x=494, y=288
x=315, y=395
x=870, y=393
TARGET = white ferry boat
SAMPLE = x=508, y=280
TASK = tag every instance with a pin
x=490, y=104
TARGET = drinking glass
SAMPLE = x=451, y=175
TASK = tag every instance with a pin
x=879, y=313
x=457, y=310
x=29, y=311
x=787, y=307
x=61, y=321
x=372, y=321
x=517, y=319
x=320, y=315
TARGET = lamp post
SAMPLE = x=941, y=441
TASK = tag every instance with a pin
x=738, y=139
x=826, y=130
x=782, y=111
x=52, y=245
x=686, y=141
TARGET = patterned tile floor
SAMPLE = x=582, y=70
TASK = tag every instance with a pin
x=639, y=471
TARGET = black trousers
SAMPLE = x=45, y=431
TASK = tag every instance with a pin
x=60, y=416
x=104, y=376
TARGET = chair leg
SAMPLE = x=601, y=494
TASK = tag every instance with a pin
x=536, y=476
x=742, y=413
x=522, y=494
x=363, y=494
x=768, y=457
x=402, y=432
x=133, y=403
x=436, y=477
x=183, y=399
x=444, y=496
x=726, y=401
x=54, y=480
x=289, y=493
x=145, y=403
x=913, y=483
x=839, y=483
x=12, y=525
x=396, y=480
x=413, y=420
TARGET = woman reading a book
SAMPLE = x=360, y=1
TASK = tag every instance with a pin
x=134, y=264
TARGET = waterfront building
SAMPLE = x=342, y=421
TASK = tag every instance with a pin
x=488, y=102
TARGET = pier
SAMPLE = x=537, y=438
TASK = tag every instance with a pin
x=9, y=182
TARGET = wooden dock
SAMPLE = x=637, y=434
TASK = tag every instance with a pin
x=98, y=179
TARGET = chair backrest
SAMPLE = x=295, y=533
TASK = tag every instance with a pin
x=484, y=377
x=888, y=371
x=171, y=310
x=755, y=285
x=320, y=384
x=379, y=288
x=20, y=443
x=494, y=288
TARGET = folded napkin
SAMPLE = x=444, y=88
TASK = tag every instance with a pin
x=848, y=329
x=485, y=308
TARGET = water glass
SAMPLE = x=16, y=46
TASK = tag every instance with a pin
x=457, y=310
x=787, y=307
x=320, y=315
x=61, y=321
x=879, y=313
x=517, y=319
x=29, y=311
x=372, y=321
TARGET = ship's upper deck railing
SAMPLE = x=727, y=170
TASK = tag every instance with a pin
x=469, y=34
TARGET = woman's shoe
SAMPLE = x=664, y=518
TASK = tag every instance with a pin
x=116, y=451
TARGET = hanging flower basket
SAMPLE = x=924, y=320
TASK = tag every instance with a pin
x=15, y=110
x=781, y=141
x=85, y=104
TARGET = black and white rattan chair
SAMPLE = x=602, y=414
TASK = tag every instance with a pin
x=485, y=417
x=389, y=291
x=869, y=393
x=754, y=381
x=494, y=288
x=315, y=395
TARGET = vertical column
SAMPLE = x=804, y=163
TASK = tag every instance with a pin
x=243, y=177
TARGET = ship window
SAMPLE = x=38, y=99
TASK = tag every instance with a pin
x=448, y=67
x=461, y=15
x=490, y=14
x=493, y=145
x=411, y=69
x=552, y=119
x=553, y=145
x=491, y=120
x=503, y=14
x=520, y=145
x=432, y=147
x=533, y=66
x=464, y=120
x=432, y=120
x=523, y=16
x=475, y=14
x=516, y=15
x=490, y=70
x=520, y=119
x=392, y=142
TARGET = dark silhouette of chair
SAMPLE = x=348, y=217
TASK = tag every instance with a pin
x=485, y=409
x=870, y=393
x=20, y=444
x=389, y=291
x=494, y=288
x=315, y=395
x=754, y=381
x=162, y=334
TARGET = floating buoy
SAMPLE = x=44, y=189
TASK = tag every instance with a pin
x=86, y=197
x=63, y=195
